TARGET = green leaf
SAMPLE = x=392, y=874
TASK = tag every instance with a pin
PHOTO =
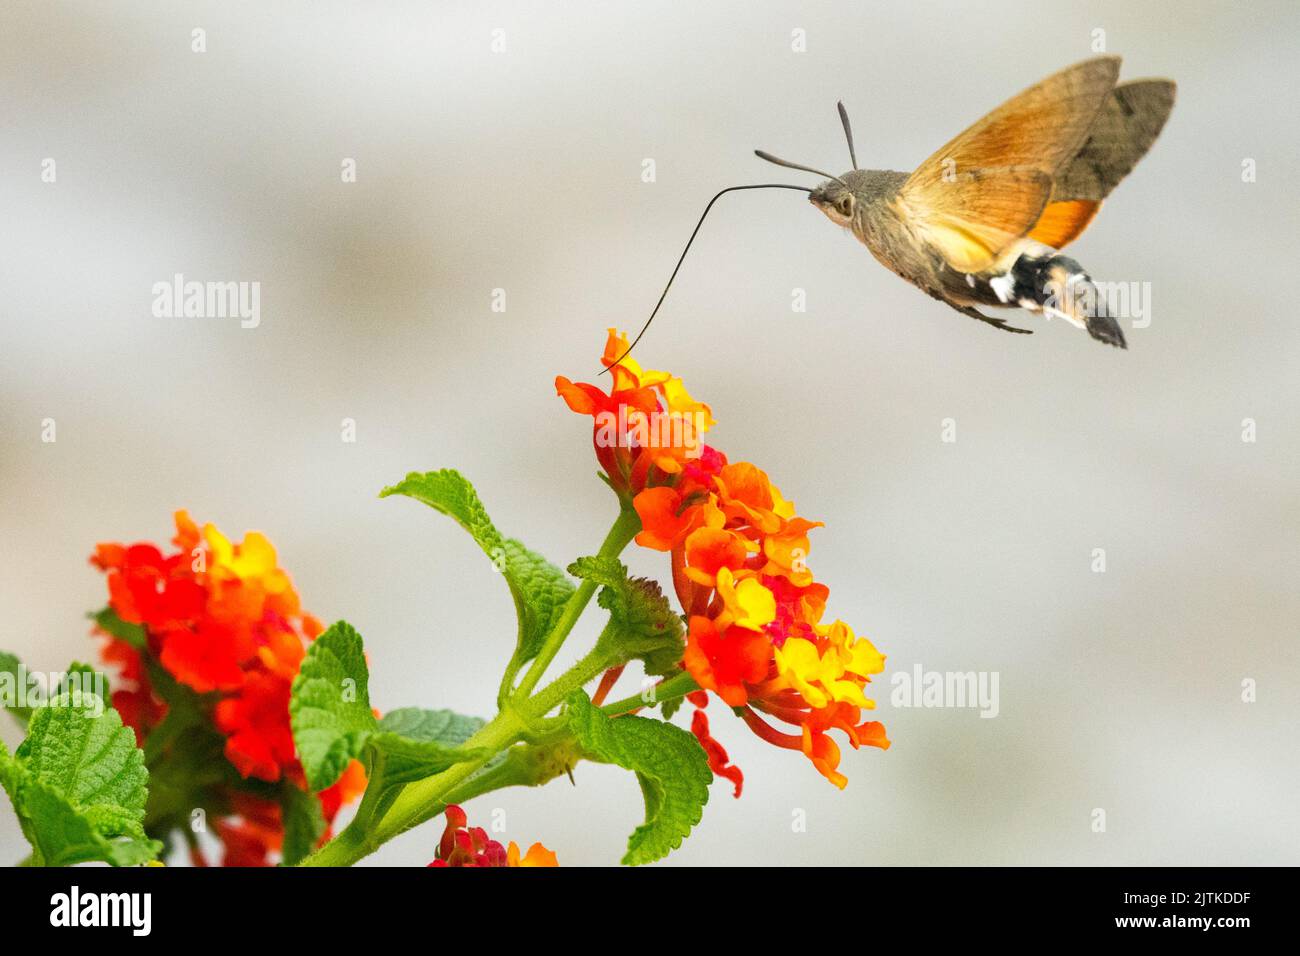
x=80, y=678
x=397, y=760
x=87, y=679
x=642, y=623
x=79, y=785
x=671, y=706
x=669, y=763
x=91, y=759
x=190, y=773
x=540, y=589
x=6, y=769
x=439, y=726
x=110, y=623
x=414, y=743
x=12, y=676
x=329, y=709
x=304, y=823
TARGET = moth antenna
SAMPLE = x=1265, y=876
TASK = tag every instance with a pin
x=789, y=165
x=848, y=132
x=682, y=257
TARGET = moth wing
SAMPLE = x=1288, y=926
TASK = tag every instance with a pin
x=984, y=211
x=1129, y=122
x=950, y=198
x=1063, y=221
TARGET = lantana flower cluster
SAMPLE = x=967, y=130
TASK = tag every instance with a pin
x=465, y=846
x=224, y=621
x=738, y=555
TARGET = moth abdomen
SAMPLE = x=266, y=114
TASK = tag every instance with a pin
x=1060, y=287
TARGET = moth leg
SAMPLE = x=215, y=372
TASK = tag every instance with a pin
x=996, y=323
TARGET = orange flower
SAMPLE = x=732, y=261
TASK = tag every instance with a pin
x=787, y=551
x=646, y=429
x=667, y=518
x=748, y=498
x=537, y=855
x=739, y=563
x=710, y=550
x=221, y=618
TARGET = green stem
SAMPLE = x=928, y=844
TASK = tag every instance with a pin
x=625, y=528
x=520, y=717
x=550, y=697
x=346, y=848
x=417, y=801
x=425, y=799
x=679, y=685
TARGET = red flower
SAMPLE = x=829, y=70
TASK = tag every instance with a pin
x=224, y=619
x=725, y=662
x=646, y=428
x=463, y=846
x=719, y=763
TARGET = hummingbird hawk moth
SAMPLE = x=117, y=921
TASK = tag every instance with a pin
x=982, y=222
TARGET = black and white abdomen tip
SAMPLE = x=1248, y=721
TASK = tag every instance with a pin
x=1057, y=286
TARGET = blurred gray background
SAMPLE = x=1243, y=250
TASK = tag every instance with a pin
x=521, y=170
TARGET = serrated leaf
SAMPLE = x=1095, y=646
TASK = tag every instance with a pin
x=599, y=569
x=400, y=760
x=415, y=743
x=87, y=679
x=439, y=726
x=60, y=835
x=79, y=785
x=333, y=724
x=79, y=678
x=642, y=623
x=329, y=706
x=93, y=760
x=670, y=765
x=304, y=823
x=540, y=589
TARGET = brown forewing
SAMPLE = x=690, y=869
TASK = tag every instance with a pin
x=980, y=192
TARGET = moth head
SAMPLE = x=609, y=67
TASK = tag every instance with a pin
x=836, y=200
x=834, y=197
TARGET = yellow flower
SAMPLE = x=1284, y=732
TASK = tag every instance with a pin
x=858, y=654
x=253, y=560
x=820, y=677
x=746, y=602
